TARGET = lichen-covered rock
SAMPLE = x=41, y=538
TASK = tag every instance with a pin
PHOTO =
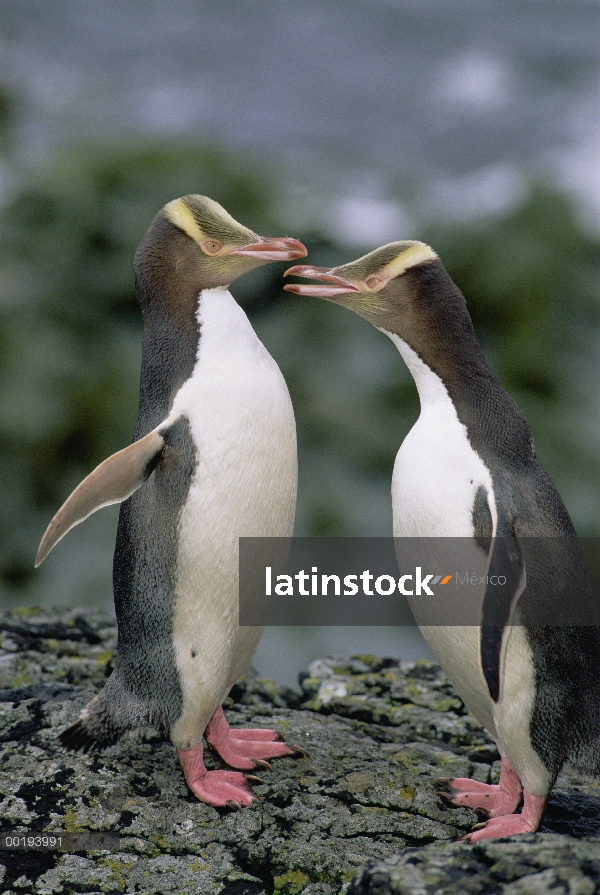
x=415, y=697
x=378, y=733
x=522, y=865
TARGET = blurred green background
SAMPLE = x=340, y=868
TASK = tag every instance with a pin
x=71, y=340
x=74, y=208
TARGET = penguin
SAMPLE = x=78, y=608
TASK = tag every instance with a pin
x=468, y=470
x=213, y=459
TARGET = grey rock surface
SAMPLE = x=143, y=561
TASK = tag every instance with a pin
x=361, y=816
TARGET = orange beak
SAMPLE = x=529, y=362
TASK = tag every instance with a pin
x=277, y=249
x=336, y=285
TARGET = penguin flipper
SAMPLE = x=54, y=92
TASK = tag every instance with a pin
x=499, y=601
x=112, y=481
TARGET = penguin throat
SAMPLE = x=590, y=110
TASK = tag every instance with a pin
x=461, y=396
x=432, y=390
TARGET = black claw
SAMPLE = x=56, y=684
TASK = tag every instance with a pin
x=299, y=752
x=255, y=779
x=261, y=763
x=232, y=804
x=444, y=782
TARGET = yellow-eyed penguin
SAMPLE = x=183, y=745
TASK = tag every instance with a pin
x=213, y=459
x=468, y=470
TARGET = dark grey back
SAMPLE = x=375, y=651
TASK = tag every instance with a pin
x=145, y=577
x=145, y=558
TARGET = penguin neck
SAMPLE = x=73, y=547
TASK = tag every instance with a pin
x=434, y=334
x=169, y=352
x=433, y=393
x=432, y=319
x=173, y=344
x=219, y=316
x=435, y=337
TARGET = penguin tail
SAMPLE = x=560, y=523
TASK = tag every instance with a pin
x=585, y=757
x=101, y=723
x=584, y=747
x=77, y=738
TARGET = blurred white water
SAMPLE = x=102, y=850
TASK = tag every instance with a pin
x=424, y=101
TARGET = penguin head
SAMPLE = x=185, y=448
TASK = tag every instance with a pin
x=379, y=286
x=404, y=290
x=194, y=244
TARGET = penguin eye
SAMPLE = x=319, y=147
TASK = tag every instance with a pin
x=211, y=246
x=373, y=282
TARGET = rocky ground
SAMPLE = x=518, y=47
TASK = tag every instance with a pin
x=360, y=817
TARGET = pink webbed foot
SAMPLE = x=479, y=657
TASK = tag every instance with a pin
x=493, y=800
x=246, y=748
x=511, y=824
x=218, y=788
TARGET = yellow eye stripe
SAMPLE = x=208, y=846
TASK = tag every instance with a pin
x=180, y=215
x=415, y=254
x=202, y=218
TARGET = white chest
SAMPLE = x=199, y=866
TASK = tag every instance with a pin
x=436, y=477
x=437, y=473
x=244, y=485
x=243, y=428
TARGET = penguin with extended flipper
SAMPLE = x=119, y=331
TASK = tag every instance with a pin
x=213, y=459
x=468, y=470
